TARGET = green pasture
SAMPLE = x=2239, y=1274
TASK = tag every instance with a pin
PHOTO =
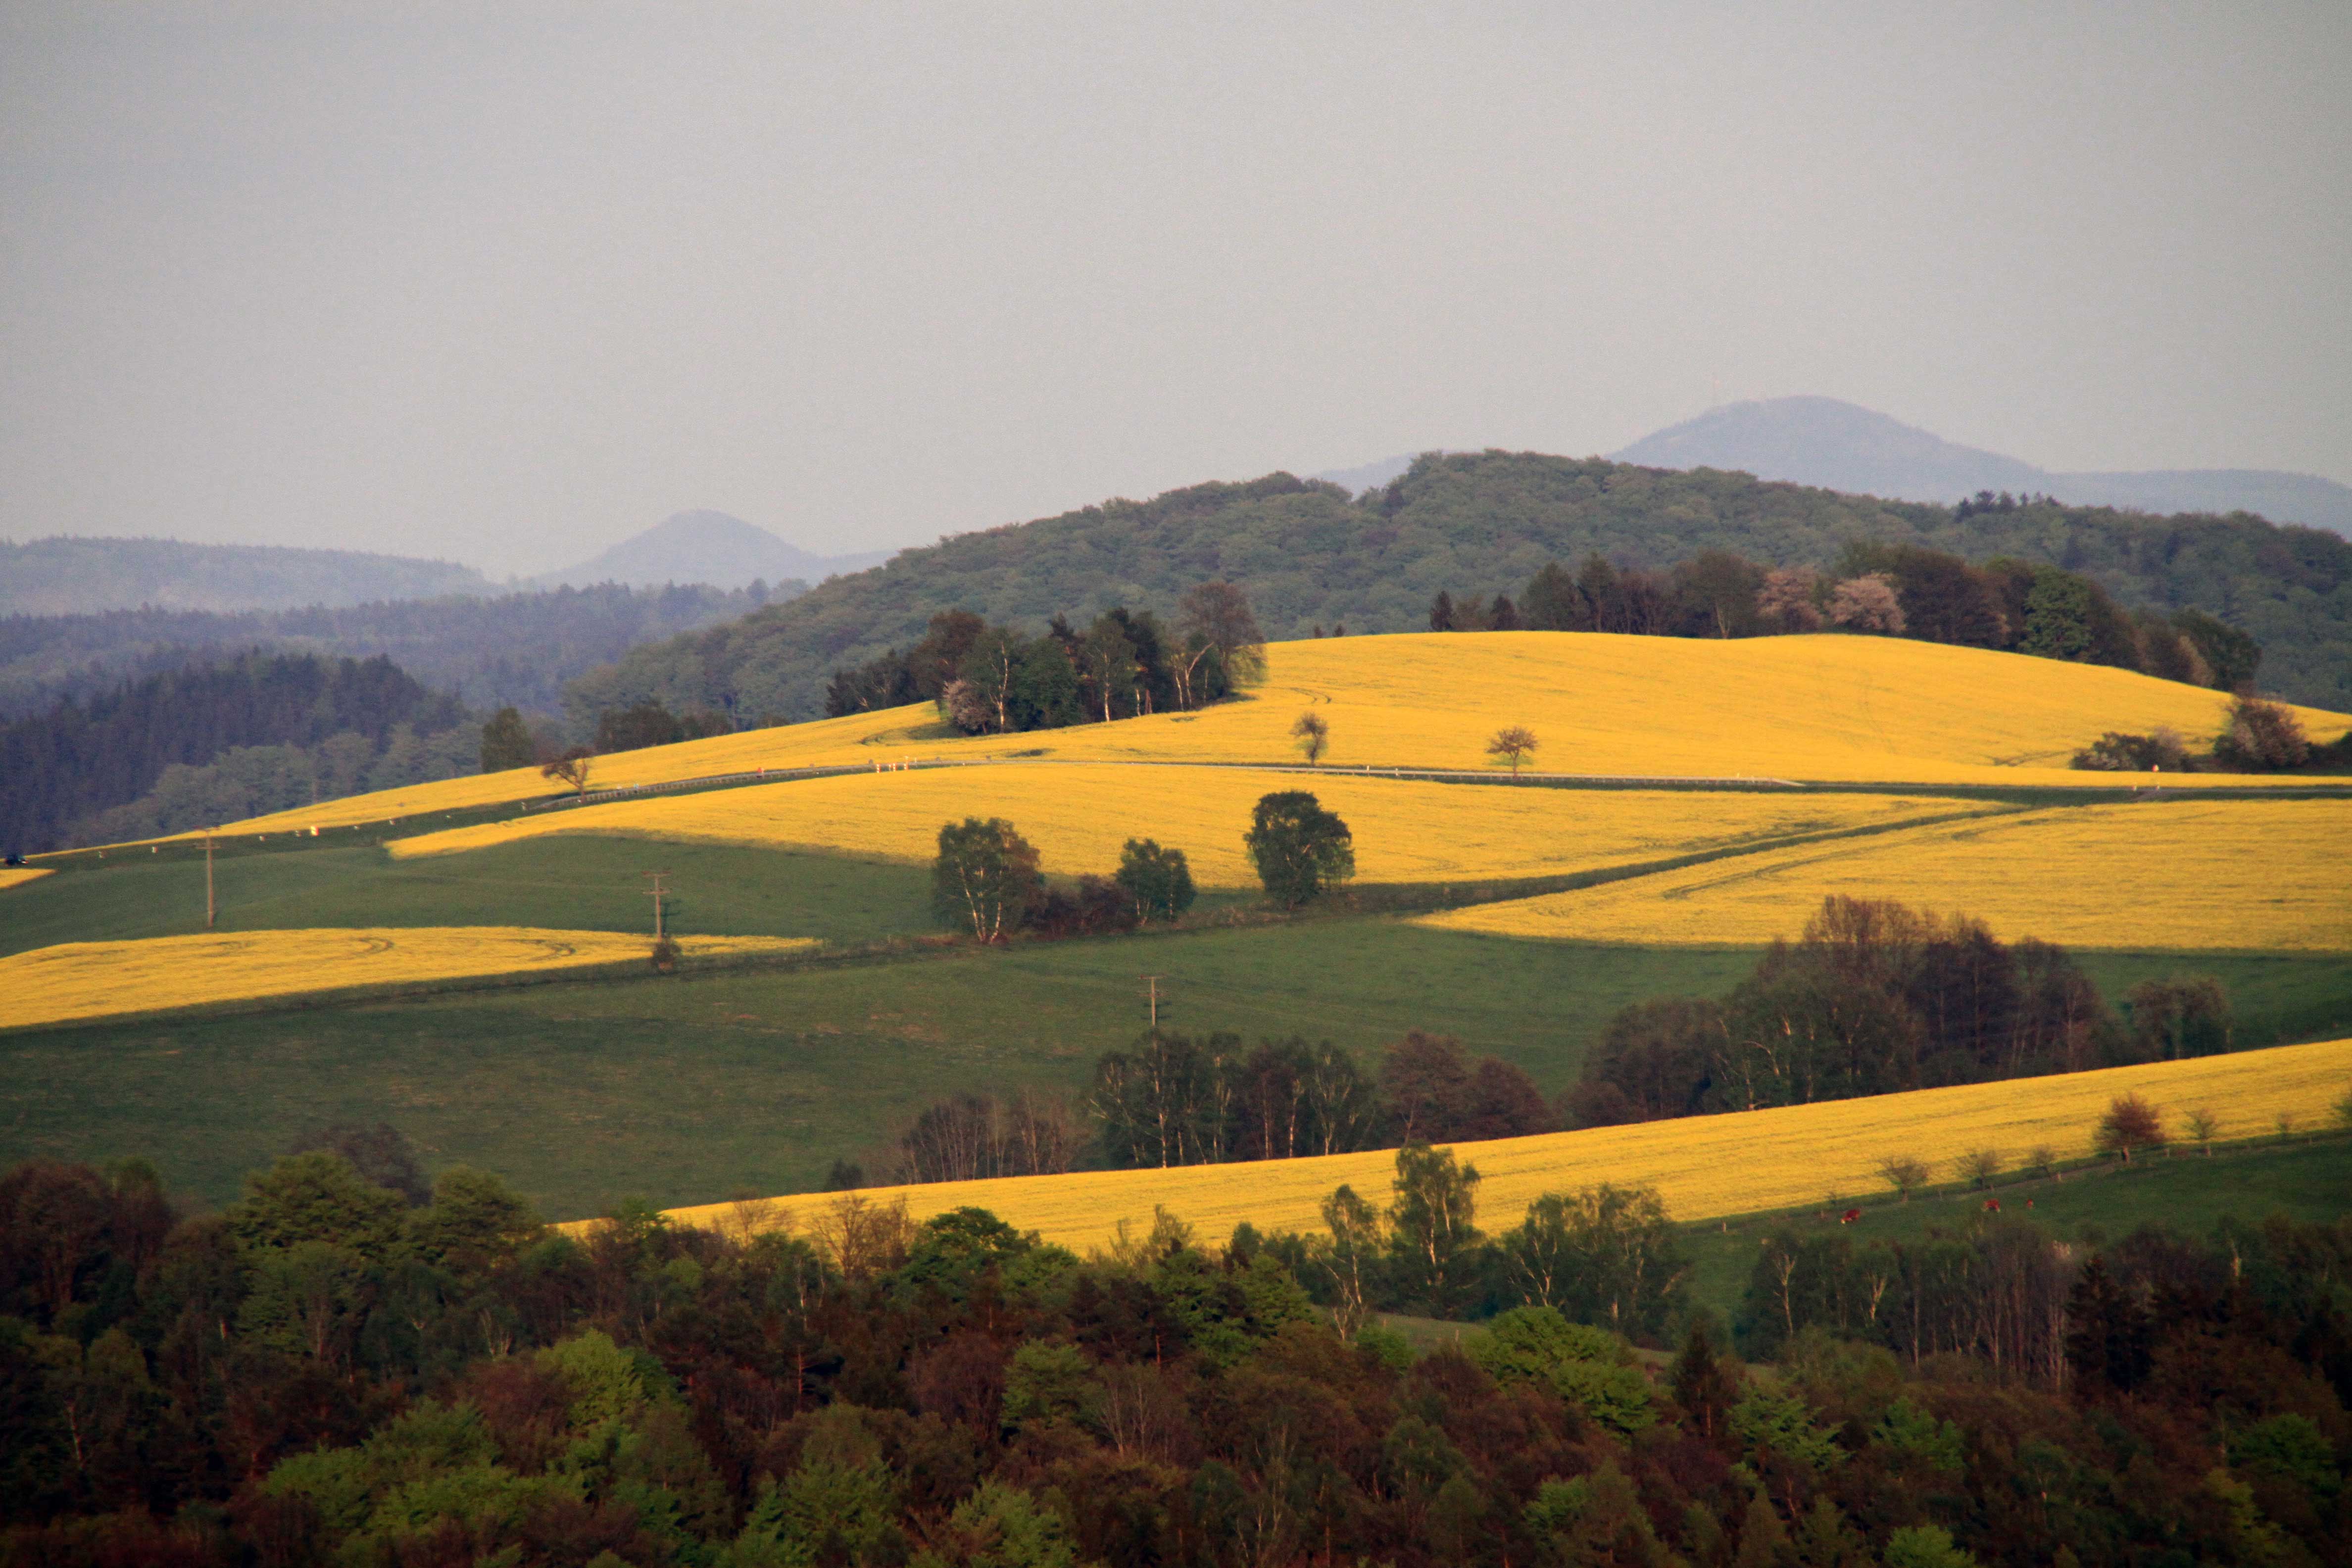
x=685, y=1087
x=2307, y=1179
x=581, y=882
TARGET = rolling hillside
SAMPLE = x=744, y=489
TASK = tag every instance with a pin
x=1884, y=761
x=1823, y=709
x=1310, y=554
x=1702, y=1168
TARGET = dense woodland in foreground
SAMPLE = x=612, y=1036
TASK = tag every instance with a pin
x=334, y=1371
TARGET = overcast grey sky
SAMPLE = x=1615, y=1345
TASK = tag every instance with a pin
x=507, y=283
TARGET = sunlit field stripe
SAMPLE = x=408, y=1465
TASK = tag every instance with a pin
x=103, y=979
x=1079, y=815
x=1831, y=708
x=18, y=876
x=2263, y=876
x=1701, y=1166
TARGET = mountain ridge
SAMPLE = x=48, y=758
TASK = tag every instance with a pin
x=1842, y=446
x=68, y=574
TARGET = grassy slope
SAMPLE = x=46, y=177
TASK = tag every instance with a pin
x=583, y=883
x=2308, y=1180
x=683, y=1089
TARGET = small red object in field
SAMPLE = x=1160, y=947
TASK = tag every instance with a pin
x=1849, y=1216
x=1992, y=1205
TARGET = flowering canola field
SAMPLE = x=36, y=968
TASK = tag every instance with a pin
x=2238, y=874
x=1701, y=1166
x=1827, y=708
x=1079, y=814
x=82, y=980
x=16, y=875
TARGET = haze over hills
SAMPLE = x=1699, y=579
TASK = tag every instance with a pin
x=64, y=576
x=1837, y=445
x=706, y=547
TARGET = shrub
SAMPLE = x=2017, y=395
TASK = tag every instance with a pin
x=1978, y=1167
x=1903, y=1174
x=2261, y=738
x=2130, y=1124
x=2114, y=751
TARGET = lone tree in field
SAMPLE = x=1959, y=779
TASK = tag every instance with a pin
x=1978, y=1167
x=2202, y=1125
x=1903, y=1175
x=1313, y=735
x=571, y=767
x=2130, y=1124
x=1159, y=880
x=986, y=877
x=1514, y=745
x=1300, y=849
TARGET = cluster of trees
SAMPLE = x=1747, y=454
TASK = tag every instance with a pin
x=987, y=878
x=1874, y=998
x=327, y=1372
x=280, y=723
x=994, y=679
x=2256, y=737
x=1174, y=1100
x=1892, y=590
x=1312, y=554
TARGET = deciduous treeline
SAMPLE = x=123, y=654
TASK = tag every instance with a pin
x=1888, y=589
x=1876, y=998
x=996, y=680
x=326, y=1372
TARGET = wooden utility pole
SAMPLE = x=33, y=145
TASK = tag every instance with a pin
x=210, y=909
x=1152, y=982
x=657, y=891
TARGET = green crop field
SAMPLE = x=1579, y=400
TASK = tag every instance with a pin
x=2308, y=1179
x=684, y=1088
x=578, y=884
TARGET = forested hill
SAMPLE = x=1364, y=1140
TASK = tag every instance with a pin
x=516, y=649
x=1309, y=555
x=75, y=761
x=65, y=576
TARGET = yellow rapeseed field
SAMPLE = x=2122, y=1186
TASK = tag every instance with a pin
x=1079, y=814
x=1825, y=707
x=1701, y=1166
x=2240, y=874
x=16, y=875
x=80, y=979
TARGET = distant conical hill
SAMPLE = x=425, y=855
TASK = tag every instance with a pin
x=706, y=547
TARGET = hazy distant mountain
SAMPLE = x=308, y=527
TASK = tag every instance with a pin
x=1821, y=441
x=706, y=547
x=63, y=577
